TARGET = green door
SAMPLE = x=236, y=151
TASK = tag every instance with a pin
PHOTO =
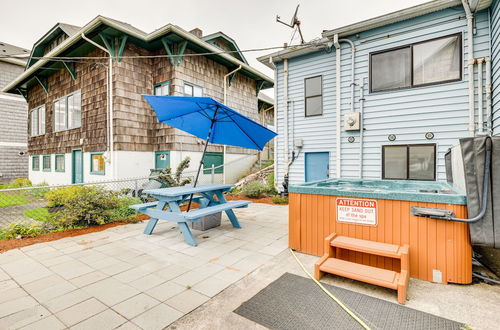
x=162, y=159
x=77, y=166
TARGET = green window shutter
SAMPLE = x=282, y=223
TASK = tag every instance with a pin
x=215, y=159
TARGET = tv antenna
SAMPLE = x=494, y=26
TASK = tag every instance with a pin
x=294, y=23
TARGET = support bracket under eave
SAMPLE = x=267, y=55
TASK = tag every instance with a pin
x=230, y=78
x=43, y=82
x=115, y=46
x=260, y=85
x=24, y=93
x=175, y=59
x=70, y=66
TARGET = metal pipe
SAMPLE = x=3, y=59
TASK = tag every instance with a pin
x=338, y=167
x=353, y=54
x=488, y=96
x=285, y=113
x=275, y=123
x=480, y=94
x=361, y=127
x=470, y=63
x=110, y=138
x=225, y=97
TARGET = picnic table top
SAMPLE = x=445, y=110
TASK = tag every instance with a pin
x=186, y=190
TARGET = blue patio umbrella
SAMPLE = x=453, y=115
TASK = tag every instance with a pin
x=210, y=120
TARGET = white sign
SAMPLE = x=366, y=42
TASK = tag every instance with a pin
x=357, y=211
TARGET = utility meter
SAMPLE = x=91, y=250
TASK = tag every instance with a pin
x=351, y=121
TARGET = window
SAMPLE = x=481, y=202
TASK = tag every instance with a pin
x=215, y=159
x=68, y=112
x=59, y=164
x=192, y=90
x=37, y=121
x=35, y=163
x=409, y=162
x=313, y=96
x=425, y=63
x=97, y=165
x=162, y=89
x=46, y=163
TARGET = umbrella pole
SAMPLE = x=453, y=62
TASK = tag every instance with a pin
x=203, y=156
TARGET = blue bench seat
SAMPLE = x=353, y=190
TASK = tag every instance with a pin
x=201, y=212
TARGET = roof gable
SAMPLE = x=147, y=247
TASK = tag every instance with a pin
x=225, y=43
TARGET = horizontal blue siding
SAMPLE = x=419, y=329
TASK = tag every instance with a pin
x=409, y=114
x=495, y=64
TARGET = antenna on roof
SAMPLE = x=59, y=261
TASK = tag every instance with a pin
x=294, y=23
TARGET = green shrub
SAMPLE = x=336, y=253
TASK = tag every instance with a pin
x=38, y=214
x=11, y=199
x=21, y=229
x=280, y=200
x=123, y=212
x=20, y=183
x=255, y=189
x=80, y=206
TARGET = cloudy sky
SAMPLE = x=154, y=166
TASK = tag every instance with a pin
x=251, y=23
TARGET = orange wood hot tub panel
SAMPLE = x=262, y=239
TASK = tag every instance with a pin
x=434, y=244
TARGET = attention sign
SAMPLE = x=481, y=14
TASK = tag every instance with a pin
x=357, y=211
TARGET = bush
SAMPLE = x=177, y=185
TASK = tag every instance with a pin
x=38, y=214
x=20, y=183
x=20, y=230
x=280, y=200
x=255, y=189
x=80, y=206
x=123, y=212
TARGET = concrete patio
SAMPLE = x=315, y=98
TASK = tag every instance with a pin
x=120, y=278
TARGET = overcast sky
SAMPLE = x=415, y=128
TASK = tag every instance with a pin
x=251, y=23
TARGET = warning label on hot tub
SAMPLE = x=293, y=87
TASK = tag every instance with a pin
x=357, y=211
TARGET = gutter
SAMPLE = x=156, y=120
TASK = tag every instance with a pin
x=225, y=96
x=13, y=61
x=146, y=37
x=110, y=118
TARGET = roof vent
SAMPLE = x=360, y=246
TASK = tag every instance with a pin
x=197, y=32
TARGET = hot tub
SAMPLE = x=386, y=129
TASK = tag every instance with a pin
x=379, y=210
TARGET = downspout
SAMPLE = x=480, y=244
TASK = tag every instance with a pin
x=353, y=54
x=470, y=63
x=488, y=96
x=480, y=95
x=110, y=139
x=275, y=123
x=285, y=113
x=225, y=147
x=337, y=105
x=361, y=127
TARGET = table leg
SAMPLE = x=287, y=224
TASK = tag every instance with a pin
x=230, y=214
x=183, y=226
x=153, y=221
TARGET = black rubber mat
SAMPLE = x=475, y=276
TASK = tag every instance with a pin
x=295, y=302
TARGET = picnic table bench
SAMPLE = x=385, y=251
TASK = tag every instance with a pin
x=210, y=198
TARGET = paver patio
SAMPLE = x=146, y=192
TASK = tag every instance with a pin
x=122, y=278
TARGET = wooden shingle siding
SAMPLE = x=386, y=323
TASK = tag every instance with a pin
x=409, y=113
x=495, y=64
x=91, y=80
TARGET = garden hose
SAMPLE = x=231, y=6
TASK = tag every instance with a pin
x=344, y=307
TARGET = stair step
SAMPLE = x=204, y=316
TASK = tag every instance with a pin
x=364, y=273
x=371, y=247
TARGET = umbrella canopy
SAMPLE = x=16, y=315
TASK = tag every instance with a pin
x=205, y=118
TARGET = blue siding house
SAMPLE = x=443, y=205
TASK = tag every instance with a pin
x=387, y=97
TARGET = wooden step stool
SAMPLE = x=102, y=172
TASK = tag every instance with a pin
x=331, y=263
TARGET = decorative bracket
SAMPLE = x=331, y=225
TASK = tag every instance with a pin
x=24, y=93
x=111, y=45
x=260, y=84
x=231, y=77
x=43, y=82
x=71, y=69
x=175, y=59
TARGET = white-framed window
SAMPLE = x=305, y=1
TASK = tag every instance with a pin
x=192, y=90
x=37, y=121
x=68, y=112
x=162, y=89
x=313, y=90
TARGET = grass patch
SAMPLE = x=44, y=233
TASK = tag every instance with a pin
x=38, y=214
x=7, y=200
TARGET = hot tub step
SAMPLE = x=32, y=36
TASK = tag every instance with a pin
x=331, y=263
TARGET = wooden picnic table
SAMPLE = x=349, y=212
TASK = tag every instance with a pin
x=210, y=198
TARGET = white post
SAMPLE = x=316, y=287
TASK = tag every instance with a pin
x=213, y=173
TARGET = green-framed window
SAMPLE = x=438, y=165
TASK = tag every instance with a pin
x=59, y=163
x=67, y=112
x=37, y=121
x=35, y=163
x=213, y=158
x=97, y=163
x=46, y=166
x=162, y=89
x=192, y=90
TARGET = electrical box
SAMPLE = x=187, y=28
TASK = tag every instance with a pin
x=351, y=121
x=298, y=143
